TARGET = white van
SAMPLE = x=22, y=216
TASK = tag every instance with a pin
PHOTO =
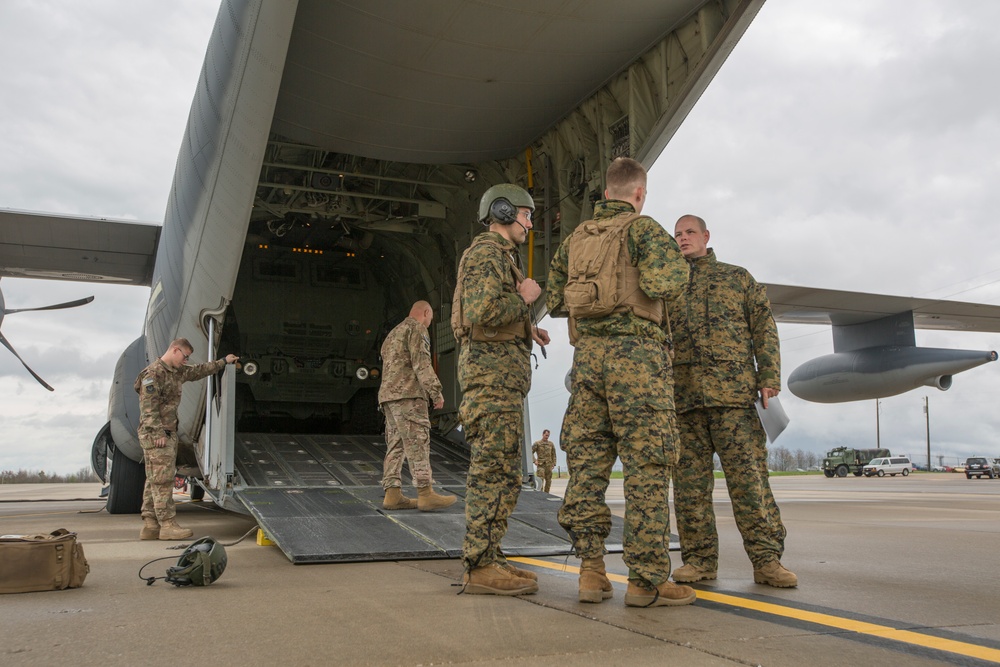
x=890, y=465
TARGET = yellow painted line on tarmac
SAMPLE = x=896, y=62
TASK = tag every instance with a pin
x=827, y=620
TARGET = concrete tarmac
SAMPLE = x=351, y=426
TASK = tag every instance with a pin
x=892, y=571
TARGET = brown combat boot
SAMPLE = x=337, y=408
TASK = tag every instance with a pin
x=518, y=572
x=427, y=500
x=395, y=500
x=667, y=594
x=594, y=583
x=775, y=574
x=150, y=528
x=169, y=530
x=690, y=573
x=493, y=579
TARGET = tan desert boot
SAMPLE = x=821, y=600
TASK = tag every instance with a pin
x=594, y=583
x=150, y=529
x=690, y=573
x=667, y=594
x=427, y=500
x=395, y=500
x=169, y=530
x=775, y=574
x=518, y=572
x=492, y=579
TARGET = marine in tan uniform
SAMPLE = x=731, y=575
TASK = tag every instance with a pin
x=492, y=322
x=726, y=355
x=621, y=403
x=408, y=385
x=159, y=389
x=544, y=453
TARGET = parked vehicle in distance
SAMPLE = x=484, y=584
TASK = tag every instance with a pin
x=843, y=460
x=979, y=466
x=890, y=465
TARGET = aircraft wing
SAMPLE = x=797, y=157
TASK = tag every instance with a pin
x=53, y=247
x=810, y=305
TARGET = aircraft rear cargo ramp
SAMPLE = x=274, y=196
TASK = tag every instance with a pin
x=319, y=498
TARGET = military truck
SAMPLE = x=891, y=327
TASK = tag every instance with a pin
x=842, y=460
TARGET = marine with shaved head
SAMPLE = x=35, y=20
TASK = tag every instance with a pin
x=409, y=385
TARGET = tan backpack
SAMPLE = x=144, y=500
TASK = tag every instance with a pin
x=600, y=277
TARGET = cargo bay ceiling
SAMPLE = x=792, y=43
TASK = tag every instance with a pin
x=392, y=118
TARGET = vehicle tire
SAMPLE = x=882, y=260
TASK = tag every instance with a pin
x=858, y=473
x=828, y=473
x=881, y=473
x=842, y=471
x=127, y=481
x=197, y=491
x=968, y=476
x=905, y=472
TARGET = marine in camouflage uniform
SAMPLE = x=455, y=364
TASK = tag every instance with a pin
x=621, y=406
x=726, y=354
x=492, y=323
x=544, y=453
x=159, y=389
x=408, y=384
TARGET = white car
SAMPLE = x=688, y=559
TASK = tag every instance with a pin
x=891, y=465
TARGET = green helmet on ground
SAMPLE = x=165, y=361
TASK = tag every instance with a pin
x=201, y=563
x=501, y=203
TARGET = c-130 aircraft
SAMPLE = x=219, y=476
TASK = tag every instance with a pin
x=331, y=170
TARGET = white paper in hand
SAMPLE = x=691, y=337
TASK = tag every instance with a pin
x=774, y=420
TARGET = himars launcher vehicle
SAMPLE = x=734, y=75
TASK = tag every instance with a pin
x=330, y=176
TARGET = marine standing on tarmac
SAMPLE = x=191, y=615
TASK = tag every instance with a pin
x=621, y=403
x=726, y=352
x=408, y=384
x=159, y=389
x=492, y=321
x=544, y=453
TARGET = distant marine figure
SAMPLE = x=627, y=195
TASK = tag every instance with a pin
x=544, y=453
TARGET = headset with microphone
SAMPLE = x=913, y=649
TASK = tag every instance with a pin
x=503, y=211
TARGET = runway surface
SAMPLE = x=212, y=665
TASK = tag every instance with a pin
x=892, y=571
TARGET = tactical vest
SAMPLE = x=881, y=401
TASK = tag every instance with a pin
x=600, y=277
x=464, y=329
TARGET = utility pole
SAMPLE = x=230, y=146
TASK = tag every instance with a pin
x=927, y=419
x=878, y=429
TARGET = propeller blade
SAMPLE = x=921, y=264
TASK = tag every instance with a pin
x=3, y=340
x=58, y=306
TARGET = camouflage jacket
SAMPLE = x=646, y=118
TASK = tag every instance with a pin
x=493, y=370
x=663, y=271
x=545, y=452
x=159, y=389
x=725, y=340
x=407, y=371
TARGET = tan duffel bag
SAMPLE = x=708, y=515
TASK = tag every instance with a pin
x=41, y=562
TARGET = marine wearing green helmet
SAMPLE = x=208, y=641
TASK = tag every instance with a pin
x=501, y=203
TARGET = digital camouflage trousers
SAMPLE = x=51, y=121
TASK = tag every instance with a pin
x=621, y=406
x=736, y=435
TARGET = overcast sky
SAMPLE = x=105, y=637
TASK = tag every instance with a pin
x=848, y=145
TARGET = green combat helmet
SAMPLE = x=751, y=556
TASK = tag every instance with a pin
x=501, y=203
x=201, y=563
